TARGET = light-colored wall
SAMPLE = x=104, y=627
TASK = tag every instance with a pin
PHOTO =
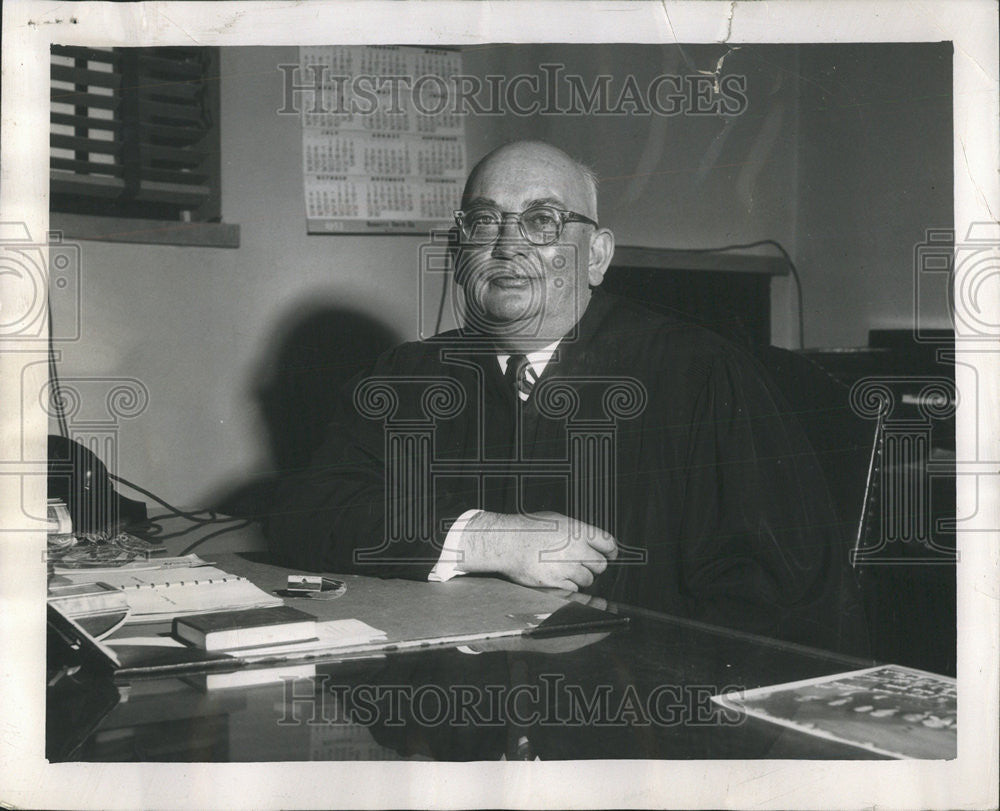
x=200, y=326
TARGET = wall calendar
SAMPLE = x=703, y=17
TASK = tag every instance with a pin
x=383, y=140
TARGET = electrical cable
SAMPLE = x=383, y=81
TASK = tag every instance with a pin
x=214, y=517
x=445, y=279
x=444, y=296
x=181, y=532
x=191, y=547
x=784, y=255
x=175, y=511
x=55, y=389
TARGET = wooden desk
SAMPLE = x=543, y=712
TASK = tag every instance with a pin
x=641, y=693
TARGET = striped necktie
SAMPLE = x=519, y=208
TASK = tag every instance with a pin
x=520, y=375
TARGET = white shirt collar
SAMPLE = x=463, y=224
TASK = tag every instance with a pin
x=538, y=359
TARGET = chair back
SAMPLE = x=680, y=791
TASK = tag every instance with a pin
x=844, y=443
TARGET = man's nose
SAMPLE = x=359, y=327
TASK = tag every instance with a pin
x=509, y=242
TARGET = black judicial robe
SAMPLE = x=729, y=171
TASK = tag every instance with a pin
x=660, y=432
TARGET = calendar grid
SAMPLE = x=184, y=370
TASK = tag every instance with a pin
x=383, y=146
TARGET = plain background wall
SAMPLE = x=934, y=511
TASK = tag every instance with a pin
x=843, y=155
x=875, y=172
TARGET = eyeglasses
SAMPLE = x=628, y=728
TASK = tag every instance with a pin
x=539, y=225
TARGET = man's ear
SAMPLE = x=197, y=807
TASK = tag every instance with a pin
x=602, y=248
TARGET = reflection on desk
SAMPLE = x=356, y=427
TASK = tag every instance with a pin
x=642, y=693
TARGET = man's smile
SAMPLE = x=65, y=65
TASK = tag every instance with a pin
x=512, y=275
x=509, y=281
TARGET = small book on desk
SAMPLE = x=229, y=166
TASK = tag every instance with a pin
x=285, y=658
x=222, y=630
x=154, y=656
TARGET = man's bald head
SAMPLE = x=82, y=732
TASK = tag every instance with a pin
x=518, y=291
x=541, y=160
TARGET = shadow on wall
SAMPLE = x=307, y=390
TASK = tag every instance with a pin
x=315, y=353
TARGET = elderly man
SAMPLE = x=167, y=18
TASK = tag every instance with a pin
x=579, y=440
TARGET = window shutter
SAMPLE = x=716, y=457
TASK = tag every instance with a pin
x=134, y=132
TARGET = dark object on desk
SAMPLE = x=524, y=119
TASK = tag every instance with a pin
x=76, y=703
x=314, y=587
x=80, y=479
x=221, y=630
x=576, y=618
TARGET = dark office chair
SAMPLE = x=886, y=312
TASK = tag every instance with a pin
x=909, y=608
x=844, y=442
x=846, y=446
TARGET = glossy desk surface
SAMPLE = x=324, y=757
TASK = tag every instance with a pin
x=639, y=692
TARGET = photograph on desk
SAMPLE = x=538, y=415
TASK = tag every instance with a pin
x=412, y=394
x=894, y=711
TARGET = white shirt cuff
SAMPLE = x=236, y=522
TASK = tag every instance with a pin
x=452, y=553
